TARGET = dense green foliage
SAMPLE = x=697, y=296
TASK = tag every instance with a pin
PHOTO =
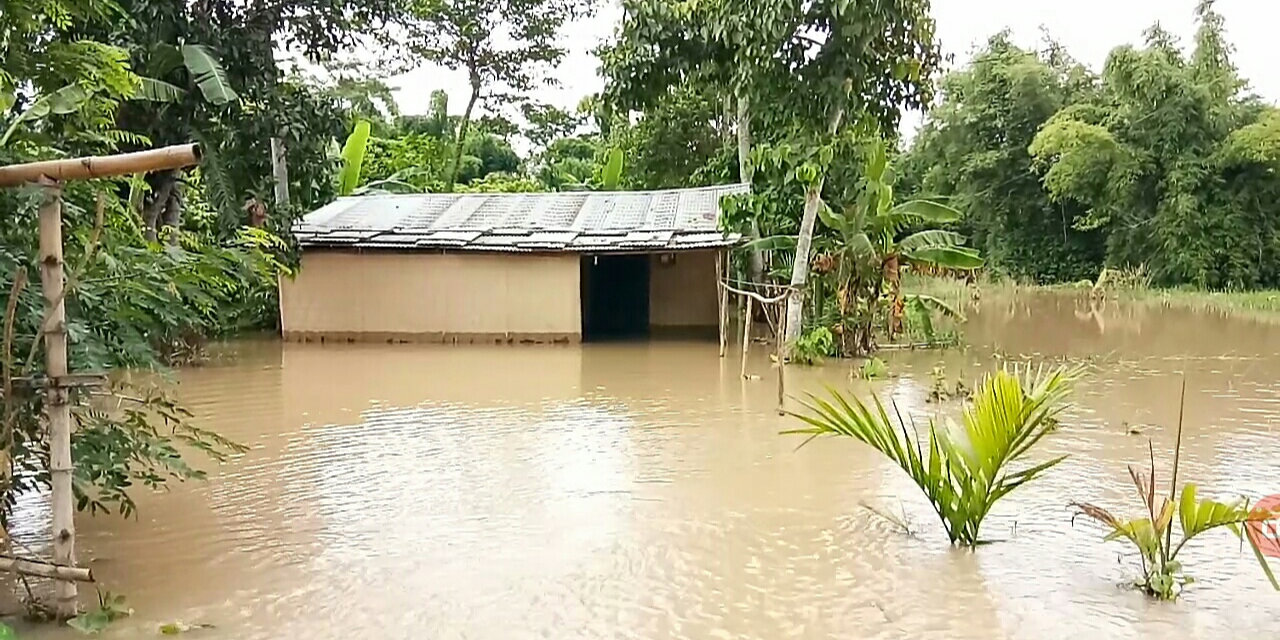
x=139, y=300
x=1162, y=161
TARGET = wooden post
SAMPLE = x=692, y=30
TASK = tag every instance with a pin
x=723, y=293
x=280, y=170
x=746, y=334
x=779, y=349
x=57, y=404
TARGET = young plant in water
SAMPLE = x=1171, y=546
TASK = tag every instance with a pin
x=873, y=369
x=111, y=607
x=1162, y=574
x=965, y=468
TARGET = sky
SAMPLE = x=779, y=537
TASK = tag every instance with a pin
x=1089, y=29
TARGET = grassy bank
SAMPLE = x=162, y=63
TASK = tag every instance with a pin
x=1256, y=305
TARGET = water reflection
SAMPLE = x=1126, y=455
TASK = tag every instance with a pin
x=643, y=491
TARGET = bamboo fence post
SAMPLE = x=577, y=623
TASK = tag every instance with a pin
x=723, y=298
x=57, y=404
x=781, y=341
x=746, y=334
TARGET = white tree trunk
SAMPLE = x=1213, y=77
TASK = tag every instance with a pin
x=280, y=172
x=800, y=269
x=746, y=171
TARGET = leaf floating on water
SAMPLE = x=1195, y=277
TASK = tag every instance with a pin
x=175, y=628
x=7, y=632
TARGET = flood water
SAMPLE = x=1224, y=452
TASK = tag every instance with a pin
x=643, y=491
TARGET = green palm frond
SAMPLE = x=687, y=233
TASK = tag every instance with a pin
x=219, y=187
x=965, y=468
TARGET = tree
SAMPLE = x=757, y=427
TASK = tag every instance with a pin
x=1151, y=156
x=504, y=46
x=546, y=123
x=973, y=148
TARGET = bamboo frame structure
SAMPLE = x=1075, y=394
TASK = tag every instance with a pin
x=778, y=301
x=57, y=401
x=58, y=381
x=173, y=157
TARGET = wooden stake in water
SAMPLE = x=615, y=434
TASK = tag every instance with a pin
x=57, y=403
x=746, y=334
x=723, y=298
x=779, y=349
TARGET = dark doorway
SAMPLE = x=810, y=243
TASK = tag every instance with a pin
x=615, y=297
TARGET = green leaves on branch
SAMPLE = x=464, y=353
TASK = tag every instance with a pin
x=963, y=469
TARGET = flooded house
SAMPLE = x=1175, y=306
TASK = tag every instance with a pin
x=509, y=267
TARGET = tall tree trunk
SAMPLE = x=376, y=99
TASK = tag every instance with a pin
x=171, y=216
x=800, y=270
x=746, y=172
x=162, y=185
x=463, y=126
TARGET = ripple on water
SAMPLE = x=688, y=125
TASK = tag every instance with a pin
x=644, y=492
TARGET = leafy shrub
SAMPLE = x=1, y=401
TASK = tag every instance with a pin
x=813, y=346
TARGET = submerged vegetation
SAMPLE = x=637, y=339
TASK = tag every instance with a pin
x=1029, y=166
x=1153, y=536
x=962, y=469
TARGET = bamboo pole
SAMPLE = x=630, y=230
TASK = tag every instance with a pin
x=778, y=349
x=174, y=157
x=57, y=404
x=746, y=334
x=40, y=569
x=724, y=303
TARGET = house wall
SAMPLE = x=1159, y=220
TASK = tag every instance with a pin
x=682, y=295
x=473, y=297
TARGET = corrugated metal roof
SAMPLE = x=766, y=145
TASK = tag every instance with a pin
x=582, y=221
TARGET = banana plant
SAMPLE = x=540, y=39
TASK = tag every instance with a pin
x=869, y=229
x=63, y=101
x=353, y=158
x=203, y=70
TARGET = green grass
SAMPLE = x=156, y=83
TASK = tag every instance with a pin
x=1262, y=306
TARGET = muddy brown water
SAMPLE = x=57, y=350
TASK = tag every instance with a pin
x=643, y=491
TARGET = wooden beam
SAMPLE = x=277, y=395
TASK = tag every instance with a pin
x=40, y=569
x=175, y=157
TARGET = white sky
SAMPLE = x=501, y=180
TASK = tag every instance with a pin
x=1089, y=29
